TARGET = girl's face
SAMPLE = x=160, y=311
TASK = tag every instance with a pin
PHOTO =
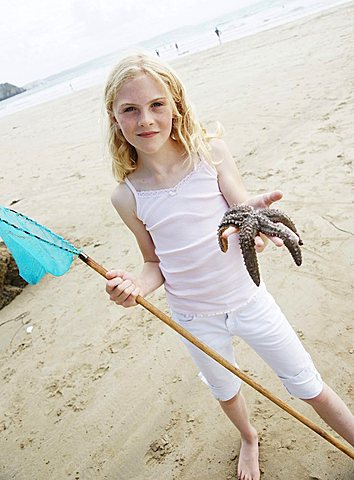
x=144, y=114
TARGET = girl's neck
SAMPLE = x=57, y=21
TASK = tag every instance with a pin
x=161, y=170
x=161, y=162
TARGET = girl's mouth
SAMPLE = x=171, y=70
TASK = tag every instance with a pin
x=147, y=134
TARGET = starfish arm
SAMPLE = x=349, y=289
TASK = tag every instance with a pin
x=230, y=219
x=279, y=217
x=248, y=231
x=235, y=217
x=223, y=242
x=294, y=249
x=238, y=213
x=224, y=225
x=278, y=230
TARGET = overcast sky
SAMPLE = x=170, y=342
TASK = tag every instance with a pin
x=42, y=37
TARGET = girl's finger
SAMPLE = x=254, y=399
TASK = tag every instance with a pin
x=259, y=244
x=278, y=242
x=117, y=287
x=272, y=197
x=229, y=231
x=114, y=273
x=130, y=301
x=136, y=292
x=126, y=293
x=113, y=283
x=123, y=286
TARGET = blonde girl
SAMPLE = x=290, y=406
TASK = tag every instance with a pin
x=174, y=183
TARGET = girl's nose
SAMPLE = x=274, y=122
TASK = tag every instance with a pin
x=145, y=118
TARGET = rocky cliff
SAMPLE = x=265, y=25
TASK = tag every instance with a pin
x=7, y=90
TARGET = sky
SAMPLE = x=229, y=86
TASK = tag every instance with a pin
x=41, y=37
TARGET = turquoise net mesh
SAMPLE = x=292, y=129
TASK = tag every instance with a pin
x=35, y=248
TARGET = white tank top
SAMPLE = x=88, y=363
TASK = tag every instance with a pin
x=183, y=223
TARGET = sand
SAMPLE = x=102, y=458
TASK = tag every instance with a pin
x=100, y=392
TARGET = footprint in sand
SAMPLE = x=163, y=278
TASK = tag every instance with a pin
x=159, y=449
x=9, y=372
x=99, y=372
x=340, y=106
x=55, y=388
x=76, y=404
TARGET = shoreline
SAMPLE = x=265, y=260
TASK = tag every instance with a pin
x=66, y=88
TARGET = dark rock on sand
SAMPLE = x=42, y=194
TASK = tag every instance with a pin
x=8, y=90
x=11, y=284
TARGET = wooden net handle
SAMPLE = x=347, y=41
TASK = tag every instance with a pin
x=222, y=361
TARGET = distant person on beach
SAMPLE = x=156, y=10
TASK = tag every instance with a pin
x=175, y=182
x=218, y=33
x=176, y=47
x=157, y=52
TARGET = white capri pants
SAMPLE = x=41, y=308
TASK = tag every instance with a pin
x=263, y=326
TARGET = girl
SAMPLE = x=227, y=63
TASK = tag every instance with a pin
x=174, y=185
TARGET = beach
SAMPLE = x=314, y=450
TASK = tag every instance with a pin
x=95, y=391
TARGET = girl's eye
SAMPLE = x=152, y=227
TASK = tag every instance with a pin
x=157, y=104
x=129, y=109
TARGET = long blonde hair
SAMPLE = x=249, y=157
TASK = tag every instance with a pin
x=186, y=129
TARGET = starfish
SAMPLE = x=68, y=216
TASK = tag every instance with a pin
x=250, y=222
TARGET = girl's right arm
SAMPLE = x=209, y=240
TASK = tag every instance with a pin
x=123, y=287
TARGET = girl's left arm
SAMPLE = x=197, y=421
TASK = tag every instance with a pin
x=229, y=178
x=234, y=191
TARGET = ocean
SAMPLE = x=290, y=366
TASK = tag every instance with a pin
x=183, y=41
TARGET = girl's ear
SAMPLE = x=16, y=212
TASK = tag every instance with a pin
x=115, y=123
x=172, y=135
x=112, y=118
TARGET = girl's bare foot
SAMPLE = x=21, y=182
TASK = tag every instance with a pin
x=248, y=467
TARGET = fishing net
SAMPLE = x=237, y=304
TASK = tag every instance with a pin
x=35, y=248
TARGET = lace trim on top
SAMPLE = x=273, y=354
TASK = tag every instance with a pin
x=171, y=190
